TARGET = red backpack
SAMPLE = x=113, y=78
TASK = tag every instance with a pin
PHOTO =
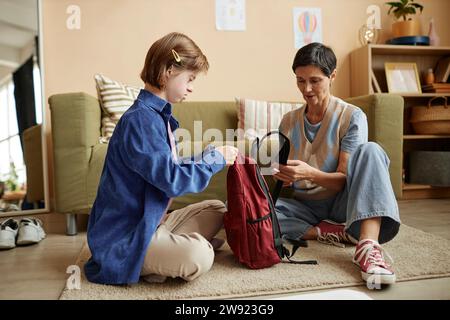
x=251, y=224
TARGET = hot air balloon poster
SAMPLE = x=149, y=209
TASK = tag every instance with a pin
x=307, y=26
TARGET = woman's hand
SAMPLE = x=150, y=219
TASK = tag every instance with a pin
x=298, y=170
x=294, y=170
x=229, y=153
x=285, y=184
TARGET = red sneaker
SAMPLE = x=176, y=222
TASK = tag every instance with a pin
x=369, y=256
x=333, y=233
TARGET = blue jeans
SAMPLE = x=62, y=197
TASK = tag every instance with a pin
x=367, y=194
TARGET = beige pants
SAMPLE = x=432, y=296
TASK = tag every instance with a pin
x=180, y=246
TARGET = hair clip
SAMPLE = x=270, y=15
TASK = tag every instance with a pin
x=176, y=56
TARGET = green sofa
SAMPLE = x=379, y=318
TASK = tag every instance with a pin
x=79, y=156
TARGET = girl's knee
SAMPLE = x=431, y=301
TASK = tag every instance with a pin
x=198, y=259
x=217, y=205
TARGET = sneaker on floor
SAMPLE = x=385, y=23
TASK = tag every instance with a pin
x=8, y=233
x=330, y=232
x=369, y=256
x=30, y=231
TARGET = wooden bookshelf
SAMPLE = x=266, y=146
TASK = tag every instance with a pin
x=371, y=59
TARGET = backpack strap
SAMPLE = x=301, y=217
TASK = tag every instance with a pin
x=296, y=244
x=283, y=155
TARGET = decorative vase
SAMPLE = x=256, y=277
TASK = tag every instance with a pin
x=406, y=28
x=434, y=38
x=368, y=35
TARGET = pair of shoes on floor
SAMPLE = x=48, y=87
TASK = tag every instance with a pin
x=26, y=231
x=330, y=232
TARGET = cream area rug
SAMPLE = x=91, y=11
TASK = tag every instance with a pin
x=416, y=254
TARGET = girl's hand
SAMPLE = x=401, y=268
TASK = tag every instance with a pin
x=229, y=153
x=294, y=170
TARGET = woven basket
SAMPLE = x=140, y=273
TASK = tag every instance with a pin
x=431, y=119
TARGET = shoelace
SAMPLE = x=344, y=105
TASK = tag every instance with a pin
x=373, y=254
x=334, y=239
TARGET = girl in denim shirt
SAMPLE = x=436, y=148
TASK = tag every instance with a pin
x=130, y=233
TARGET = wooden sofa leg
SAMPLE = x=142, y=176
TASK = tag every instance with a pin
x=71, y=226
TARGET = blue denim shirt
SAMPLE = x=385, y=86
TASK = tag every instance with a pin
x=138, y=179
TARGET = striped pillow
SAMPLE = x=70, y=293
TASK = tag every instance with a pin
x=115, y=98
x=256, y=118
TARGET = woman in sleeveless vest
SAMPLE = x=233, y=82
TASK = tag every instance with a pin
x=342, y=189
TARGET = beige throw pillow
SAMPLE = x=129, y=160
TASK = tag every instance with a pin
x=115, y=98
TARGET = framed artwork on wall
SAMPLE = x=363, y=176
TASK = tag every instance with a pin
x=402, y=77
x=307, y=26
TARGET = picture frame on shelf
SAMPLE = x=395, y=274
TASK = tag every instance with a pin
x=402, y=77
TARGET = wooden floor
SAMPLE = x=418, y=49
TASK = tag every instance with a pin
x=39, y=271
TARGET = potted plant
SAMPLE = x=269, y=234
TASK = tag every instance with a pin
x=404, y=9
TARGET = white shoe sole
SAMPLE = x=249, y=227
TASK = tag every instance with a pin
x=374, y=278
x=7, y=240
x=30, y=235
x=6, y=245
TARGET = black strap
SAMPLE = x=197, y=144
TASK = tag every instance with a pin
x=283, y=155
x=300, y=262
x=295, y=245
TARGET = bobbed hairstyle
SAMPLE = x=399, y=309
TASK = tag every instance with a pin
x=173, y=50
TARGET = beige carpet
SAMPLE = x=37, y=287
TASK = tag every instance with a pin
x=416, y=254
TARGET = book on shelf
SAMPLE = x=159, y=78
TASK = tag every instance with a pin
x=442, y=71
x=436, y=88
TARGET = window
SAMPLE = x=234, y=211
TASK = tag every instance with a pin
x=10, y=146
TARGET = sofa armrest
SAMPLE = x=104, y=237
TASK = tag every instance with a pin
x=76, y=120
x=385, y=118
x=32, y=154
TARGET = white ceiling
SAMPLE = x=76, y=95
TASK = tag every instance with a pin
x=18, y=27
x=14, y=37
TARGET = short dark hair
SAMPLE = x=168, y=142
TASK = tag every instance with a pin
x=316, y=54
x=174, y=49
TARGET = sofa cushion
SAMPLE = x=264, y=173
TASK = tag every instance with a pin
x=256, y=118
x=202, y=116
x=115, y=98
